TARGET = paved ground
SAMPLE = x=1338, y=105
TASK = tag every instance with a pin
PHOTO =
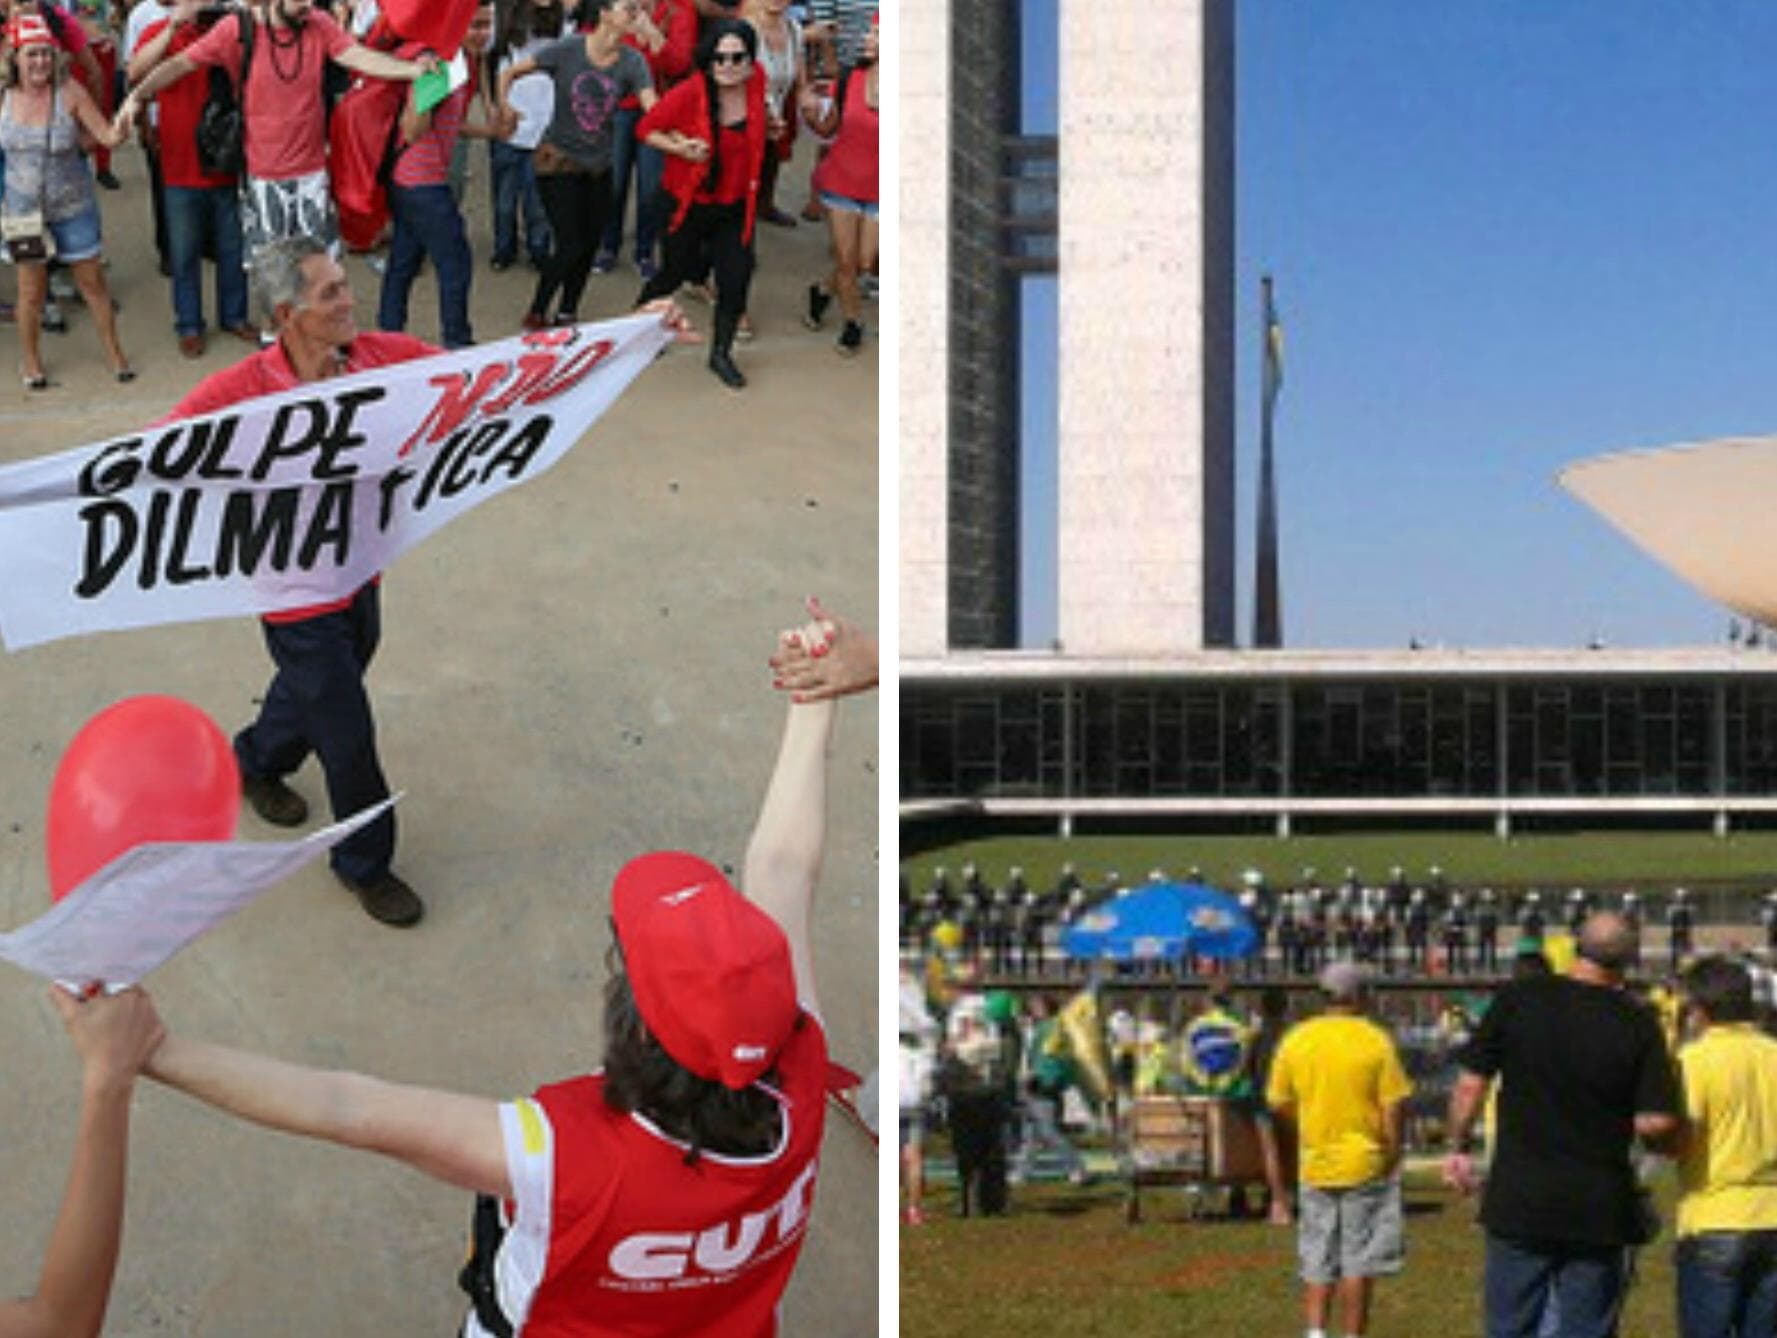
x=571, y=675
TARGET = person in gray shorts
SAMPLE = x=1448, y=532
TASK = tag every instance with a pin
x=1339, y=1078
x=1350, y=1233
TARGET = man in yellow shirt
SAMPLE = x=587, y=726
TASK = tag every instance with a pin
x=1339, y=1077
x=1727, y=1167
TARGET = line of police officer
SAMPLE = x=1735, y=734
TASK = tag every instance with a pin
x=1398, y=925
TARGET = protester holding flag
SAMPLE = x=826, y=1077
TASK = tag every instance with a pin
x=114, y=1035
x=42, y=117
x=704, y=1124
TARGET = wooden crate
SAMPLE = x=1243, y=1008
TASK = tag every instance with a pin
x=1188, y=1140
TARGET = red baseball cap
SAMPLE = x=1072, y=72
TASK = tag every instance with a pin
x=710, y=971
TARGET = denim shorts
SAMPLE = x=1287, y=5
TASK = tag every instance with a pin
x=77, y=238
x=846, y=205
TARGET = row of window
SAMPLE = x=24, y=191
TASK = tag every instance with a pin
x=1340, y=740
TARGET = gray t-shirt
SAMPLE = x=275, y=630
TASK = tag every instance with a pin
x=586, y=98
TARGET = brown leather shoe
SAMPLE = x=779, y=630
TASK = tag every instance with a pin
x=387, y=900
x=192, y=345
x=275, y=801
x=246, y=333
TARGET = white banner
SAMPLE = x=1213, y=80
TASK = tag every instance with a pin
x=296, y=498
x=152, y=900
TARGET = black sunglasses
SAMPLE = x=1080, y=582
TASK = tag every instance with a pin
x=729, y=58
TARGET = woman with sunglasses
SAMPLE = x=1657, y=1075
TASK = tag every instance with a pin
x=712, y=129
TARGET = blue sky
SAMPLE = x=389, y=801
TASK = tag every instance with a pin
x=1505, y=236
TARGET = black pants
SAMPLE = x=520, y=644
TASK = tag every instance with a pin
x=712, y=230
x=317, y=703
x=578, y=205
x=978, y=1126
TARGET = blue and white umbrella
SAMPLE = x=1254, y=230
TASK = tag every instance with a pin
x=1163, y=922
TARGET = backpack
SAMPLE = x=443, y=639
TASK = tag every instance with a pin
x=222, y=125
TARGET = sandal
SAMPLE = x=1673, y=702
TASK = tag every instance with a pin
x=38, y=382
x=125, y=375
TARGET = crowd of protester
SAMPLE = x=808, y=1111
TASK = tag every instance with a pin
x=666, y=121
x=1565, y=1090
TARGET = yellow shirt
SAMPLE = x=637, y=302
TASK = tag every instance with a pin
x=1342, y=1074
x=1728, y=1171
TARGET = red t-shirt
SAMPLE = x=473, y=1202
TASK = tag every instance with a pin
x=426, y=162
x=734, y=168
x=269, y=371
x=181, y=104
x=640, y=1245
x=286, y=121
x=849, y=169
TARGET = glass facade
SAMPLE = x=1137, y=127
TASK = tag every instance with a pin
x=1560, y=737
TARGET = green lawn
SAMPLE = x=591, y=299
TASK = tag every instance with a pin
x=1650, y=860
x=1065, y=1262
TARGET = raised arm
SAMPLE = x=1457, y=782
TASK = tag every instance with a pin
x=783, y=861
x=113, y=1035
x=451, y=1138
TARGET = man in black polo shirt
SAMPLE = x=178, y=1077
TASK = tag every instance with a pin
x=1583, y=1071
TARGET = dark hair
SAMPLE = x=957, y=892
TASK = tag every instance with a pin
x=1721, y=987
x=707, y=42
x=519, y=28
x=1531, y=965
x=640, y=1076
x=1273, y=1002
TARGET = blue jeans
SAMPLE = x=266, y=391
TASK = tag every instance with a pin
x=317, y=703
x=427, y=222
x=630, y=152
x=515, y=187
x=1522, y=1279
x=193, y=211
x=1727, y=1284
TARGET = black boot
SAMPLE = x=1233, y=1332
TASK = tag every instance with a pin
x=721, y=347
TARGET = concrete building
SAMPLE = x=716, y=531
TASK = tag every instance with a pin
x=1130, y=201
x=1145, y=710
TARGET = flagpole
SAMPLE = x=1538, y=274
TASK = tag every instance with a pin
x=1267, y=598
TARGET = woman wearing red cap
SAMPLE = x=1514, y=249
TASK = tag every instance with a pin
x=669, y=1192
x=42, y=116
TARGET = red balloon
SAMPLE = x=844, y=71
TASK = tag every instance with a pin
x=145, y=769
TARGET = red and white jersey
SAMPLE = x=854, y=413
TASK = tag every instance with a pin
x=612, y=1235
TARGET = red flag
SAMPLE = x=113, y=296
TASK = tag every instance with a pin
x=437, y=25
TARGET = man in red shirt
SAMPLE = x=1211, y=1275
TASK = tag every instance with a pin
x=199, y=206
x=286, y=191
x=317, y=701
x=669, y=1193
